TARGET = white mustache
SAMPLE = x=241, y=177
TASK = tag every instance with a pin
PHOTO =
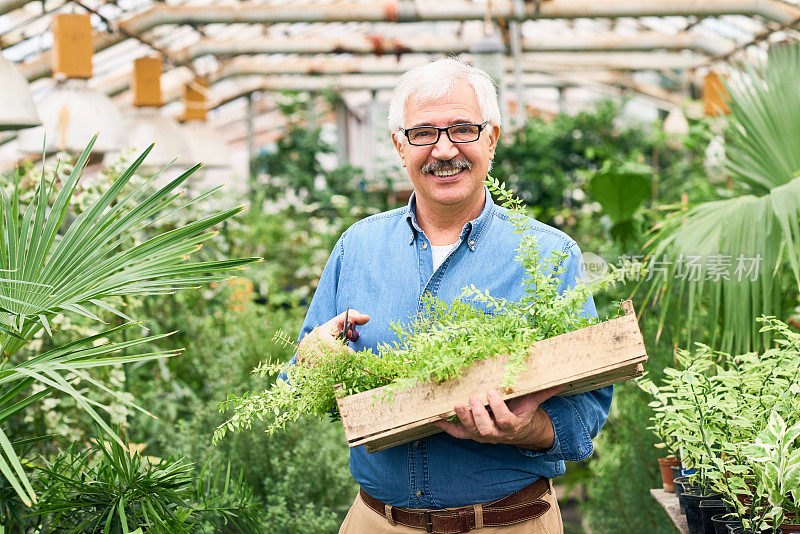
x=446, y=165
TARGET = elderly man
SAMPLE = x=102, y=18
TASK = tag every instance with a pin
x=491, y=472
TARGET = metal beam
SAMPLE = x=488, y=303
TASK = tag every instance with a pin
x=607, y=82
x=545, y=62
x=398, y=46
x=410, y=11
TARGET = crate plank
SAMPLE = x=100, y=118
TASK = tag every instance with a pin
x=425, y=427
x=582, y=360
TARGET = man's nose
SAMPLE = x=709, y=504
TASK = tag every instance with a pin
x=444, y=148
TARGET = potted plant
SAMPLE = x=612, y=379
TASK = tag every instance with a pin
x=663, y=426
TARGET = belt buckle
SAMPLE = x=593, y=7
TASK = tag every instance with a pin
x=428, y=522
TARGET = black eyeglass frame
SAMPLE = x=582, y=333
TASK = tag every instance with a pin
x=446, y=130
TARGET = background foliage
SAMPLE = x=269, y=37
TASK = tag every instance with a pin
x=570, y=170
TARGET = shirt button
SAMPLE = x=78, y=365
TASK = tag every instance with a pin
x=427, y=292
x=472, y=242
x=416, y=444
x=419, y=493
x=424, y=246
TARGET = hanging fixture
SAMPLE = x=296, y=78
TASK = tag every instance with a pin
x=16, y=103
x=146, y=124
x=73, y=112
x=715, y=96
x=204, y=143
x=676, y=124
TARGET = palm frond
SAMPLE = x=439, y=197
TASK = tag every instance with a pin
x=48, y=273
x=58, y=369
x=742, y=243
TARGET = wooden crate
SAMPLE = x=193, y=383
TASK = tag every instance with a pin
x=583, y=360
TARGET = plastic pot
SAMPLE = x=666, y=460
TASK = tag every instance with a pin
x=677, y=471
x=666, y=465
x=691, y=504
x=709, y=509
x=682, y=485
x=721, y=524
x=740, y=530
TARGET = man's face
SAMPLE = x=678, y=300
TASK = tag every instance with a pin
x=431, y=167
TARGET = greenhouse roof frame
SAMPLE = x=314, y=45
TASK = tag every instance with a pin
x=564, y=41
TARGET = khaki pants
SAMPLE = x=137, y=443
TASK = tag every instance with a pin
x=362, y=519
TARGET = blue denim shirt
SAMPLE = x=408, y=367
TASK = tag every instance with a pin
x=382, y=266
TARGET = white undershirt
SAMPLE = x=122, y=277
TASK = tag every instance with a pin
x=440, y=252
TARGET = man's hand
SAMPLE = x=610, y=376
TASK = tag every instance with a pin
x=323, y=339
x=519, y=422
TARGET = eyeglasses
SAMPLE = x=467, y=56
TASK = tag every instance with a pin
x=457, y=133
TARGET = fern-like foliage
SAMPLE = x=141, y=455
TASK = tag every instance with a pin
x=439, y=344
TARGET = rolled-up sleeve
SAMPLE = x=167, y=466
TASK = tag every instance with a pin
x=576, y=418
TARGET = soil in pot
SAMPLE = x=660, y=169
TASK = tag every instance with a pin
x=708, y=509
x=666, y=465
x=691, y=503
x=788, y=528
x=721, y=523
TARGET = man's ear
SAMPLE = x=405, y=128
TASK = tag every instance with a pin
x=398, y=142
x=494, y=137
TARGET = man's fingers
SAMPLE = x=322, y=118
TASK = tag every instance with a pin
x=483, y=420
x=465, y=416
x=454, y=429
x=358, y=317
x=354, y=317
x=506, y=420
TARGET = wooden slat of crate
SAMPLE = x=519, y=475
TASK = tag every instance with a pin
x=424, y=428
x=573, y=358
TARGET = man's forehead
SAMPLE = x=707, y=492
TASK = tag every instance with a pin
x=458, y=104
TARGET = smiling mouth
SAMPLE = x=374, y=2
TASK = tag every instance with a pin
x=445, y=173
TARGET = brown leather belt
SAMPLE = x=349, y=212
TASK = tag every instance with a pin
x=520, y=506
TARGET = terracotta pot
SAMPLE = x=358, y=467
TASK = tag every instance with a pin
x=666, y=465
x=786, y=528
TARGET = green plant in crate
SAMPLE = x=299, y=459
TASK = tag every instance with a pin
x=438, y=344
x=53, y=266
x=752, y=234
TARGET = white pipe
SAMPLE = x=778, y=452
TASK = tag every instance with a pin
x=408, y=11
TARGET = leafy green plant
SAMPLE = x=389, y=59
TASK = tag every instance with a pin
x=621, y=188
x=777, y=462
x=439, y=344
x=52, y=265
x=110, y=489
x=736, y=421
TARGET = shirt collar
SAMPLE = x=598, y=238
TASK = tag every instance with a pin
x=472, y=231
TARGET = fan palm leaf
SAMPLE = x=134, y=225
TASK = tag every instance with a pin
x=50, y=267
x=57, y=370
x=47, y=274
x=754, y=236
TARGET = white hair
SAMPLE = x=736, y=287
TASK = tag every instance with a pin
x=435, y=80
